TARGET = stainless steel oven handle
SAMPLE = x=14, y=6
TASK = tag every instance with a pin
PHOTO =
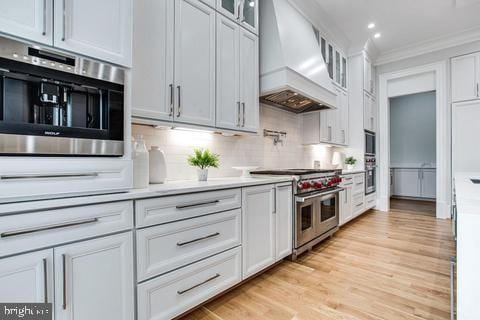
x=49, y=176
x=318, y=195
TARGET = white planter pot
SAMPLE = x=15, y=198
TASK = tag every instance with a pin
x=202, y=174
x=350, y=167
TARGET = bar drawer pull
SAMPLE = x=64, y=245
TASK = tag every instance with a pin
x=360, y=204
x=198, y=285
x=20, y=232
x=187, y=206
x=181, y=244
x=64, y=280
x=48, y=176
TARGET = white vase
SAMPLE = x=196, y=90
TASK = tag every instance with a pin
x=140, y=163
x=158, y=165
x=202, y=174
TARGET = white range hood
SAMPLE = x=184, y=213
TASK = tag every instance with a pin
x=293, y=73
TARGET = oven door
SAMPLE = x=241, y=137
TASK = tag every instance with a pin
x=370, y=143
x=306, y=220
x=370, y=180
x=328, y=214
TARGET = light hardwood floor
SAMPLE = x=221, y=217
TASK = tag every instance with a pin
x=380, y=266
x=413, y=206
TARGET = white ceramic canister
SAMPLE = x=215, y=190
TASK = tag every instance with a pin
x=158, y=165
x=140, y=163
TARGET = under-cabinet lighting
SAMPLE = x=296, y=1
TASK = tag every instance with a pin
x=377, y=35
x=371, y=25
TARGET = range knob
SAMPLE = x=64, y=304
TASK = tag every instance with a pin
x=318, y=184
x=306, y=185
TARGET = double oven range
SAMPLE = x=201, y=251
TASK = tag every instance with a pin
x=315, y=207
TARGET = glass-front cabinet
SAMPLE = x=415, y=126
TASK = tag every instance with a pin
x=244, y=12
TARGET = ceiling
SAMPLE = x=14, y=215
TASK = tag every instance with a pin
x=402, y=23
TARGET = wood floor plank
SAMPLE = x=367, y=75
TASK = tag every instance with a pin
x=380, y=266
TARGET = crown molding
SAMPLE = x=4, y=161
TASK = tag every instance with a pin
x=423, y=47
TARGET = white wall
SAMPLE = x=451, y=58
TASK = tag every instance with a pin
x=413, y=129
x=247, y=150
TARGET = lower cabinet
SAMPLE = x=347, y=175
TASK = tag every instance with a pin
x=258, y=205
x=414, y=183
x=346, y=212
x=176, y=292
x=94, y=279
x=27, y=278
x=283, y=220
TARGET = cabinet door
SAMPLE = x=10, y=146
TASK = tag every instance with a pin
x=99, y=29
x=465, y=78
x=229, y=8
x=258, y=241
x=152, y=71
x=311, y=127
x=27, y=278
x=94, y=279
x=373, y=114
x=346, y=211
x=429, y=183
x=369, y=113
x=338, y=68
x=228, y=76
x=283, y=221
x=367, y=75
x=28, y=19
x=344, y=119
x=465, y=153
x=194, y=62
x=249, y=15
x=327, y=126
x=249, y=80
x=407, y=183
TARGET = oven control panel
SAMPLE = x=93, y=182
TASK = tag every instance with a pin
x=318, y=184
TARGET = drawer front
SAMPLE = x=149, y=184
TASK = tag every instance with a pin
x=177, y=292
x=358, y=203
x=167, y=209
x=41, y=229
x=22, y=180
x=169, y=246
x=358, y=184
x=371, y=201
x=347, y=181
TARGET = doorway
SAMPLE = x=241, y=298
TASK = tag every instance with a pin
x=413, y=149
x=422, y=79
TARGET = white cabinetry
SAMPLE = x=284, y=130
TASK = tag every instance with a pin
x=94, y=279
x=152, y=74
x=194, y=63
x=466, y=77
x=99, y=29
x=465, y=153
x=368, y=76
x=249, y=80
x=283, y=220
x=414, y=183
x=370, y=112
x=346, y=210
x=243, y=12
x=27, y=278
x=258, y=228
x=28, y=19
x=329, y=126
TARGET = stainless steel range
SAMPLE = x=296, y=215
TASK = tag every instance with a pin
x=316, y=207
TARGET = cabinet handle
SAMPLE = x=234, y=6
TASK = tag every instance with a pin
x=49, y=176
x=198, y=285
x=371, y=85
x=478, y=90
x=346, y=195
x=64, y=279
x=344, y=136
x=171, y=100
x=64, y=24
x=44, y=32
x=359, y=205
x=179, y=89
x=45, y=280
x=329, y=133
x=213, y=235
x=45, y=228
x=371, y=123
x=238, y=114
x=243, y=108
x=187, y=206
x=452, y=288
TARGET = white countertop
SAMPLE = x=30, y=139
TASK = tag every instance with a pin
x=154, y=190
x=467, y=193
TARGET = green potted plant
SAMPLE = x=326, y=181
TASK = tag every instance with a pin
x=203, y=159
x=350, y=162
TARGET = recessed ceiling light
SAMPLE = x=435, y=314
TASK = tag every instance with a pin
x=371, y=25
x=377, y=35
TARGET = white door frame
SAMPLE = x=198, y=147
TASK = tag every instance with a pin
x=443, y=139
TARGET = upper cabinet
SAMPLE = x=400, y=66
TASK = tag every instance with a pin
x=98, y=29
x=28, y=19
x=369, y=113
x=194, y=63
x=336, y=61
x=201, y=69
x=368, y=76
x=244, y=12
x=466, y=77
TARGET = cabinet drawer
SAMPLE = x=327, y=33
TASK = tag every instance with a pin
x=29, y=231
x=347, y=181
x=358, y=184
x=167, y=209
x=170, y=246
x=24, y=179
x=371, y=201
x=175, y=293
x=358, y=201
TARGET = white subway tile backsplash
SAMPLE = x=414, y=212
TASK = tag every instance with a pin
x=248, y=150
